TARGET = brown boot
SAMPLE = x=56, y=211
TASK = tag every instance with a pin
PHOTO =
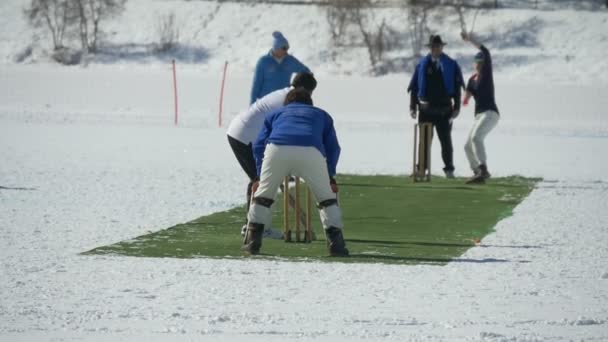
x=335, y=242
x=253, y=238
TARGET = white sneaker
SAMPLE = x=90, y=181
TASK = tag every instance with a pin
x=269, y=233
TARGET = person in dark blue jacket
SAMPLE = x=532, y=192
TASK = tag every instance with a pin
x=273, y=70
x=435, y=90
x=481, y=88
x=296, y=140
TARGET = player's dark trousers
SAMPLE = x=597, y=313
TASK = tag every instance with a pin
x=244, y=155
x=440, y=118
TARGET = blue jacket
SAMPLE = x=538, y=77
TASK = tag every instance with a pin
x=271, y=75
x=452, y=76
x=299, y=124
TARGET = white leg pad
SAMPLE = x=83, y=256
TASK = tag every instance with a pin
x=260, y=214
x=331, y=217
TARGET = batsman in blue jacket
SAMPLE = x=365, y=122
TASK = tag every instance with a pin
x=296, y=140
x=273, y=70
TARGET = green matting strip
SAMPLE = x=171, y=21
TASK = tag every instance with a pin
x=388, y=219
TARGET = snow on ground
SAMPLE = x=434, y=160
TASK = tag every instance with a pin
x=90, y=156
x=98, y=160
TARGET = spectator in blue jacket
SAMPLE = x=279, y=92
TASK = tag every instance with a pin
x=296, y=140
x=273, y=70
x=435, y=90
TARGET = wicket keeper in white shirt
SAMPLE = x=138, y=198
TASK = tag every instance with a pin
x=244, y=128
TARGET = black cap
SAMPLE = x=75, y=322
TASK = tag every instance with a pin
x=435, y=40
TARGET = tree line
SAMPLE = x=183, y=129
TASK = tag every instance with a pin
x=82, y=21
x=83, y=17
x=355, y=23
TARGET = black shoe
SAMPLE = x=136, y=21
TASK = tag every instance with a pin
x=477, y=179
x=253, y=238
x=449, y=173
x=335, y=242
x=483, y=171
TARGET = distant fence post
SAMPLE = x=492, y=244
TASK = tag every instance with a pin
x=222, y=95
x=175, y=91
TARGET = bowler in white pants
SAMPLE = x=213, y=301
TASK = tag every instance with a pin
x=481, y=87
x=474, y=147
x=300, y=140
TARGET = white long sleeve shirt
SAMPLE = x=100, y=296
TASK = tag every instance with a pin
x=246, y=126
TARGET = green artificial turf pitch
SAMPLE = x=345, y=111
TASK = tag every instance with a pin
x=387, y=219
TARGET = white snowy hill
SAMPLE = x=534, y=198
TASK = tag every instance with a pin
x=90, y=156
x=551, y=44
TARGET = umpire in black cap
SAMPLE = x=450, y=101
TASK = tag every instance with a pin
x=435, y=90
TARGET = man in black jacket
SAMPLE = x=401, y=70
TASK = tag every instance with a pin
x=435, y=90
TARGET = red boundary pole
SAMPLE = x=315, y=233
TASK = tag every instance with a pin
x=175, y=91
x=222, y=94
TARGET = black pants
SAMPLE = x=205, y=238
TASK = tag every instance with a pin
x=440, y=118
x=244, y=155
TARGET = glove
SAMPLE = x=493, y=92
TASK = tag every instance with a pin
x=455, y=113
x=255, y=185
x=465, y=102
x=413, y=113
x=333, y=184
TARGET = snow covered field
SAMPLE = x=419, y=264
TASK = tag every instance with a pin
x=90, y=156
x=80, y=169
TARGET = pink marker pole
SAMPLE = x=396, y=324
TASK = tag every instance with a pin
x=222, y=94
x=175, y=91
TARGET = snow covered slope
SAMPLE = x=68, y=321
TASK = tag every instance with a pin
x=545, y=46
x=90, y=156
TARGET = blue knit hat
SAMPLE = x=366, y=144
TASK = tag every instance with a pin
x=279, y=41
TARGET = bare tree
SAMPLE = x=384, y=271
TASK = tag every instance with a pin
x=168, y=32
x=90, y=14
x=100, y=10
x=373, y=36
x=348, y=16
x=459, y=6
x=337, y=18
x=61, y=16
x=80, y=8
x=417, y=17
x=54, y=14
